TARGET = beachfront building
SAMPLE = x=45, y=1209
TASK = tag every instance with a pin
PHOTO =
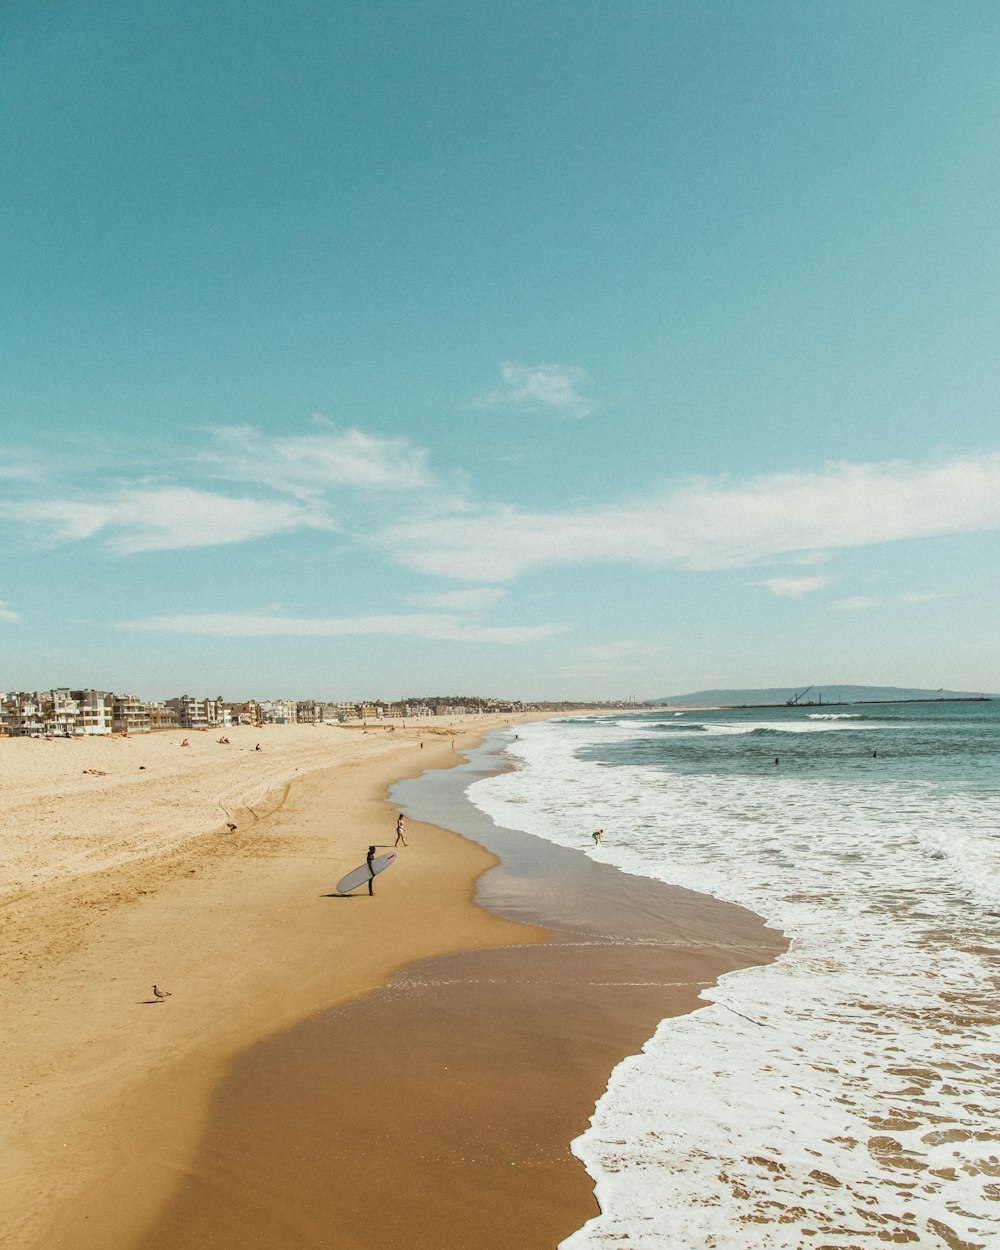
x=59, y=712
x=24, y=714
x=190, y=712
x=278, y=712
x=161, y=717
x=314, y=712
x=247, y=713
x=398, y=710
x=129, y=715
x=195, y=713
x=95, y=711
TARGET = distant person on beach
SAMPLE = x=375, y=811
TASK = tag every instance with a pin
x=185, y=743
x=257, y=747
x=597, y=835
x=399, y=830
x=369, y=857
x=776, y=760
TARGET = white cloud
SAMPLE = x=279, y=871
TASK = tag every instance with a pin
x=8, y=614
x=416, y=625
x=169, y=518
x=925, y=598
x=809, y=557
x=477, y=600
x=305, y=465
x=794, y=587
x=861, y=603
x=858, y=603
x=716, y=525
x=539, y=388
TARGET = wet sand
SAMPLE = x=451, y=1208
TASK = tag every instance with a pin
x=438, y=1111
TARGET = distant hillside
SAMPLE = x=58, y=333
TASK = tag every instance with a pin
x=826, y=694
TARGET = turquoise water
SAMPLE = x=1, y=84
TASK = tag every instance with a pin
x=955, y=744
x=848, y=1094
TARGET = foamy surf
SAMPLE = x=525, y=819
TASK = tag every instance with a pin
x=847, y=1094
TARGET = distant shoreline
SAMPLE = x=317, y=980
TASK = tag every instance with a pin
x=722, y=707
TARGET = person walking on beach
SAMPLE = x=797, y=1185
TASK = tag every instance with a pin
x=597, y=835
x=369, y=857
x=399, y=830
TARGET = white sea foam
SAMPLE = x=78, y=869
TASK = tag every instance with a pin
x=844, y=1096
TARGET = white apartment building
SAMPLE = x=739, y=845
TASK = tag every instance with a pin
x=129, y=715
x=195, y=713
x=59, y=710
x=95, y=711
x=24, y=715
x=278, y=711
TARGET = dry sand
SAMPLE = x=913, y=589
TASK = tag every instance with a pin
x=127, y=877
x=312, y=1046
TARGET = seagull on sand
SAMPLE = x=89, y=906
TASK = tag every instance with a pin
x=159, y=994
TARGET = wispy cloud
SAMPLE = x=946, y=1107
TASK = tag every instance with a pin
x=416, y=625
x=539, y=388
x=857, y=603
x=860, y=603
x=794, y=587
x=723, y=524
x=169, y=518
x=8, y=614
x=306, y=465
x=477, y=600
x=916, y=597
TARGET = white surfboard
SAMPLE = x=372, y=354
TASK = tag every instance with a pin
x=360, y=875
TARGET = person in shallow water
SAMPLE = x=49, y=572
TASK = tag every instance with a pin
x=597, y=835
x=369, y=857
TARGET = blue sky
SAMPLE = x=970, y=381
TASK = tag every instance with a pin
x=555, y=350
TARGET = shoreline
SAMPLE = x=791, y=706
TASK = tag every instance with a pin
x=455, y=1090
x=115, y=1100
x=98, y=1125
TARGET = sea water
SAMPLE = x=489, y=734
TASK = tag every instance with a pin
x=847, y=1095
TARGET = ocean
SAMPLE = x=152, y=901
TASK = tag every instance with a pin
x=848, y=1094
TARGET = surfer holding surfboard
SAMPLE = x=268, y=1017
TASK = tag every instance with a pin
x=370, y=856
x=373, y=865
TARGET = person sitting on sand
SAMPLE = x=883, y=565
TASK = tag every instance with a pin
x=185, y=743
x=399, y=831
x=597, y=835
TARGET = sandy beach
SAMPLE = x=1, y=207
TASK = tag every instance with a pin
x=123, y=872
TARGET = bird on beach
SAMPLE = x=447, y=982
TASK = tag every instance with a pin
x=159, y=994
